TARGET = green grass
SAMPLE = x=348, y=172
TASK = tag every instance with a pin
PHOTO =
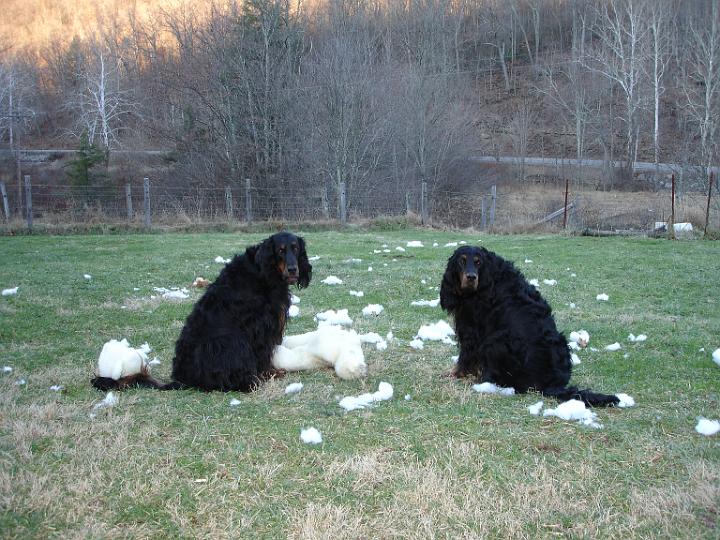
x=448, y=463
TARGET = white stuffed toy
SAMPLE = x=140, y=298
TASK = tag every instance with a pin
x=328, y=346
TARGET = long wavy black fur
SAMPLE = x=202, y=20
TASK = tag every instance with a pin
x=229, y=337
x=506, y=330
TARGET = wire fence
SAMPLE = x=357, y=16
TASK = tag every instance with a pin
x=523, y=209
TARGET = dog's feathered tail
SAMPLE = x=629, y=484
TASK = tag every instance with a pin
x=139, y=380
x=592, y=399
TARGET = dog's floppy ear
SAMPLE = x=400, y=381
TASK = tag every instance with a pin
x=265, y=256
x=304, y=266
x=450, y=285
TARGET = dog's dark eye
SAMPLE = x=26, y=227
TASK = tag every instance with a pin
x=477, y=262
x=463, y=259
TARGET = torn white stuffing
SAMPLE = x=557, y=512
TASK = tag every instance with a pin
x=707, y=427
x=435, y=244
x=293, y=311
x=716, y=356
x=575, y=359
x=7, y=369
x=399, y=248
x=110, y=400
x=625, y=401
x=383, y=393
x=417, y=344
x=572, y=305
x=573, y=346
x=491, y=388
x=234, y=402
x=10, y=292
x=314, y=258
x=574, y=409
x=220, y=260
x=635, y=339
x=310, y=436
x=372, y=309
x=372, y=337
x=613, y=347
x=87, y=276
x=428, y=303
x=451, y=244
x=352, y=261
x=455, y=358
x=174, y=293
x=293, y=388
x=332, y=317
x=370, y=269
x=534, y=282
x=528, y=261
x=56, y=387
x=602, y=297
x=332, y=280
x=408, y=397
x=535, y=408
x=20, y=382
x=389, y=337
x=154, y=362
x=414, y=243
x=551, y=282
x=294, y=299
x=439, y=331
x=359, y=294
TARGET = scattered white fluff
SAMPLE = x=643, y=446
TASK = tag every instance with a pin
x=428, y=303
x=408, y=397
x=293, y=388
x=384, y=392
x=455, y=358
x=573, y=274
x=573, y=346
x=372, y=337
x=572, y=305
x=440, y=331
x=386, y=251
x=370, y=269
x=593, y=349
x=328, y=346
x=384, y=245
x=56, y=387
x=702, y=349
x=310, y=436
x=234, y=402
x=389, y=337
x=716, y=356
x=293, y=311
x=551, y=282
x=707, y=427
x=118, y=359
x=359, y=294
x=173, y=293
x=372, y=309
x=602, y=297
x=462, y=242
x=136, y=289
x=20, y=382
x=110, y=401
x=417, y=344
x=332, y=280
x=352, y=261
x=294, y=299
x=635, y=339
x=534, y=282
x=87, y=276
x=626, y=356
x=376, y=251
x=384, y=264
x=7, y=369
x=423, y=282
x=220, y=260
x=575, y=359
x=154, y=362
x=574, y=409
x=314, y=258
x=535, y=408
x=625, y=401
x=613, y=347
x=381, y=345
x=490, y=388
x=10, y=292
x=399, y=248
x=435, y=244
x=451, y=244
x=581, y=337
x=414, y=243
x=528, y=261
x=332, y=317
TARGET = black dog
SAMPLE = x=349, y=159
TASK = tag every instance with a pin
x=229, y=338
x=506, y=330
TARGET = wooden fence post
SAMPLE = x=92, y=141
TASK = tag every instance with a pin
x=671, y=225
x=423, y=204
x=325, y=203
x=28, y=201
x=407, y=203
x=565, y=208
x=6, y=207
x=228, y=203
x=343, y=203
x=707, y=209
x=493, y=195
x=128, y=201
x=483, y=217
x=248, y=201
x=146, y=202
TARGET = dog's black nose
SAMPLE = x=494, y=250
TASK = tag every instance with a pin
x=292, y=270
x=471, y=277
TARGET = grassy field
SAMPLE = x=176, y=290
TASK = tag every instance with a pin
x=447, y=463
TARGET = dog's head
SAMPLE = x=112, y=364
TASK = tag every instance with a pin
x=283, y=255
x=466, y=271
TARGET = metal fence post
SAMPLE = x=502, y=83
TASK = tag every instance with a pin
x=28, y=202
x=423, y=204
x=493, y=195
x=146, y=202
x=248, y=201
x=128, y=201
x=343, y=203
x=6, y=207
x=228, y=202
